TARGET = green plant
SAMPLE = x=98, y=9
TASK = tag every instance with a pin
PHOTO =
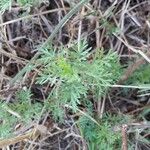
x=141, y=75
x=22, y=107
x=5, y=5
x=29, y=65
x=30, y=3
x=110, y=28
x=27, y=2
x=21, y=111
x=141, y=78
x=72, y=75
x=102, y=136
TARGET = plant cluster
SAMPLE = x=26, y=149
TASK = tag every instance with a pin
x=7, y=4
x=72, y=74
x=76, y=75
x=21, y=111
x=100, y=136
x=141, y=75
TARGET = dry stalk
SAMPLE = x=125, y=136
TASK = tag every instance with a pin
x=124, y=137
x=33, y=134
x=30, y=16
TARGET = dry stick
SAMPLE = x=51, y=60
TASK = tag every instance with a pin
x=80, y=28
x=133, y=49
x=124, y=137
x=10, y=55
x=63, y=5
x=31, y=135
x=97, y=32
x=30, y=16
x=38, y=130
x=102, y=107
x=29, y=67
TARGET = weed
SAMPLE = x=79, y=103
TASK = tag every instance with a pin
x=99, y=137
x=141, y=75
x=110, y=28
x=5, y=5
x=21, y=111
x=27, y=2
x=141, y=78
x=72, y=76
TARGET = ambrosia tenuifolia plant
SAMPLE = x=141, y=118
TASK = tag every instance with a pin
x=22, y=111
x=73, y=71
x=7, y=4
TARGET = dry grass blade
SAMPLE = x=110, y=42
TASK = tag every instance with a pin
x=31, y=135
x=124, y=137
x=30, y=16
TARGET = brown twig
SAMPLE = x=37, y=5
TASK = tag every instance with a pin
x=34, y=15
x=33, y=134
x=124, y=137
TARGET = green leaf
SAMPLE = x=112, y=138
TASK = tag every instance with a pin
x=72, y=76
